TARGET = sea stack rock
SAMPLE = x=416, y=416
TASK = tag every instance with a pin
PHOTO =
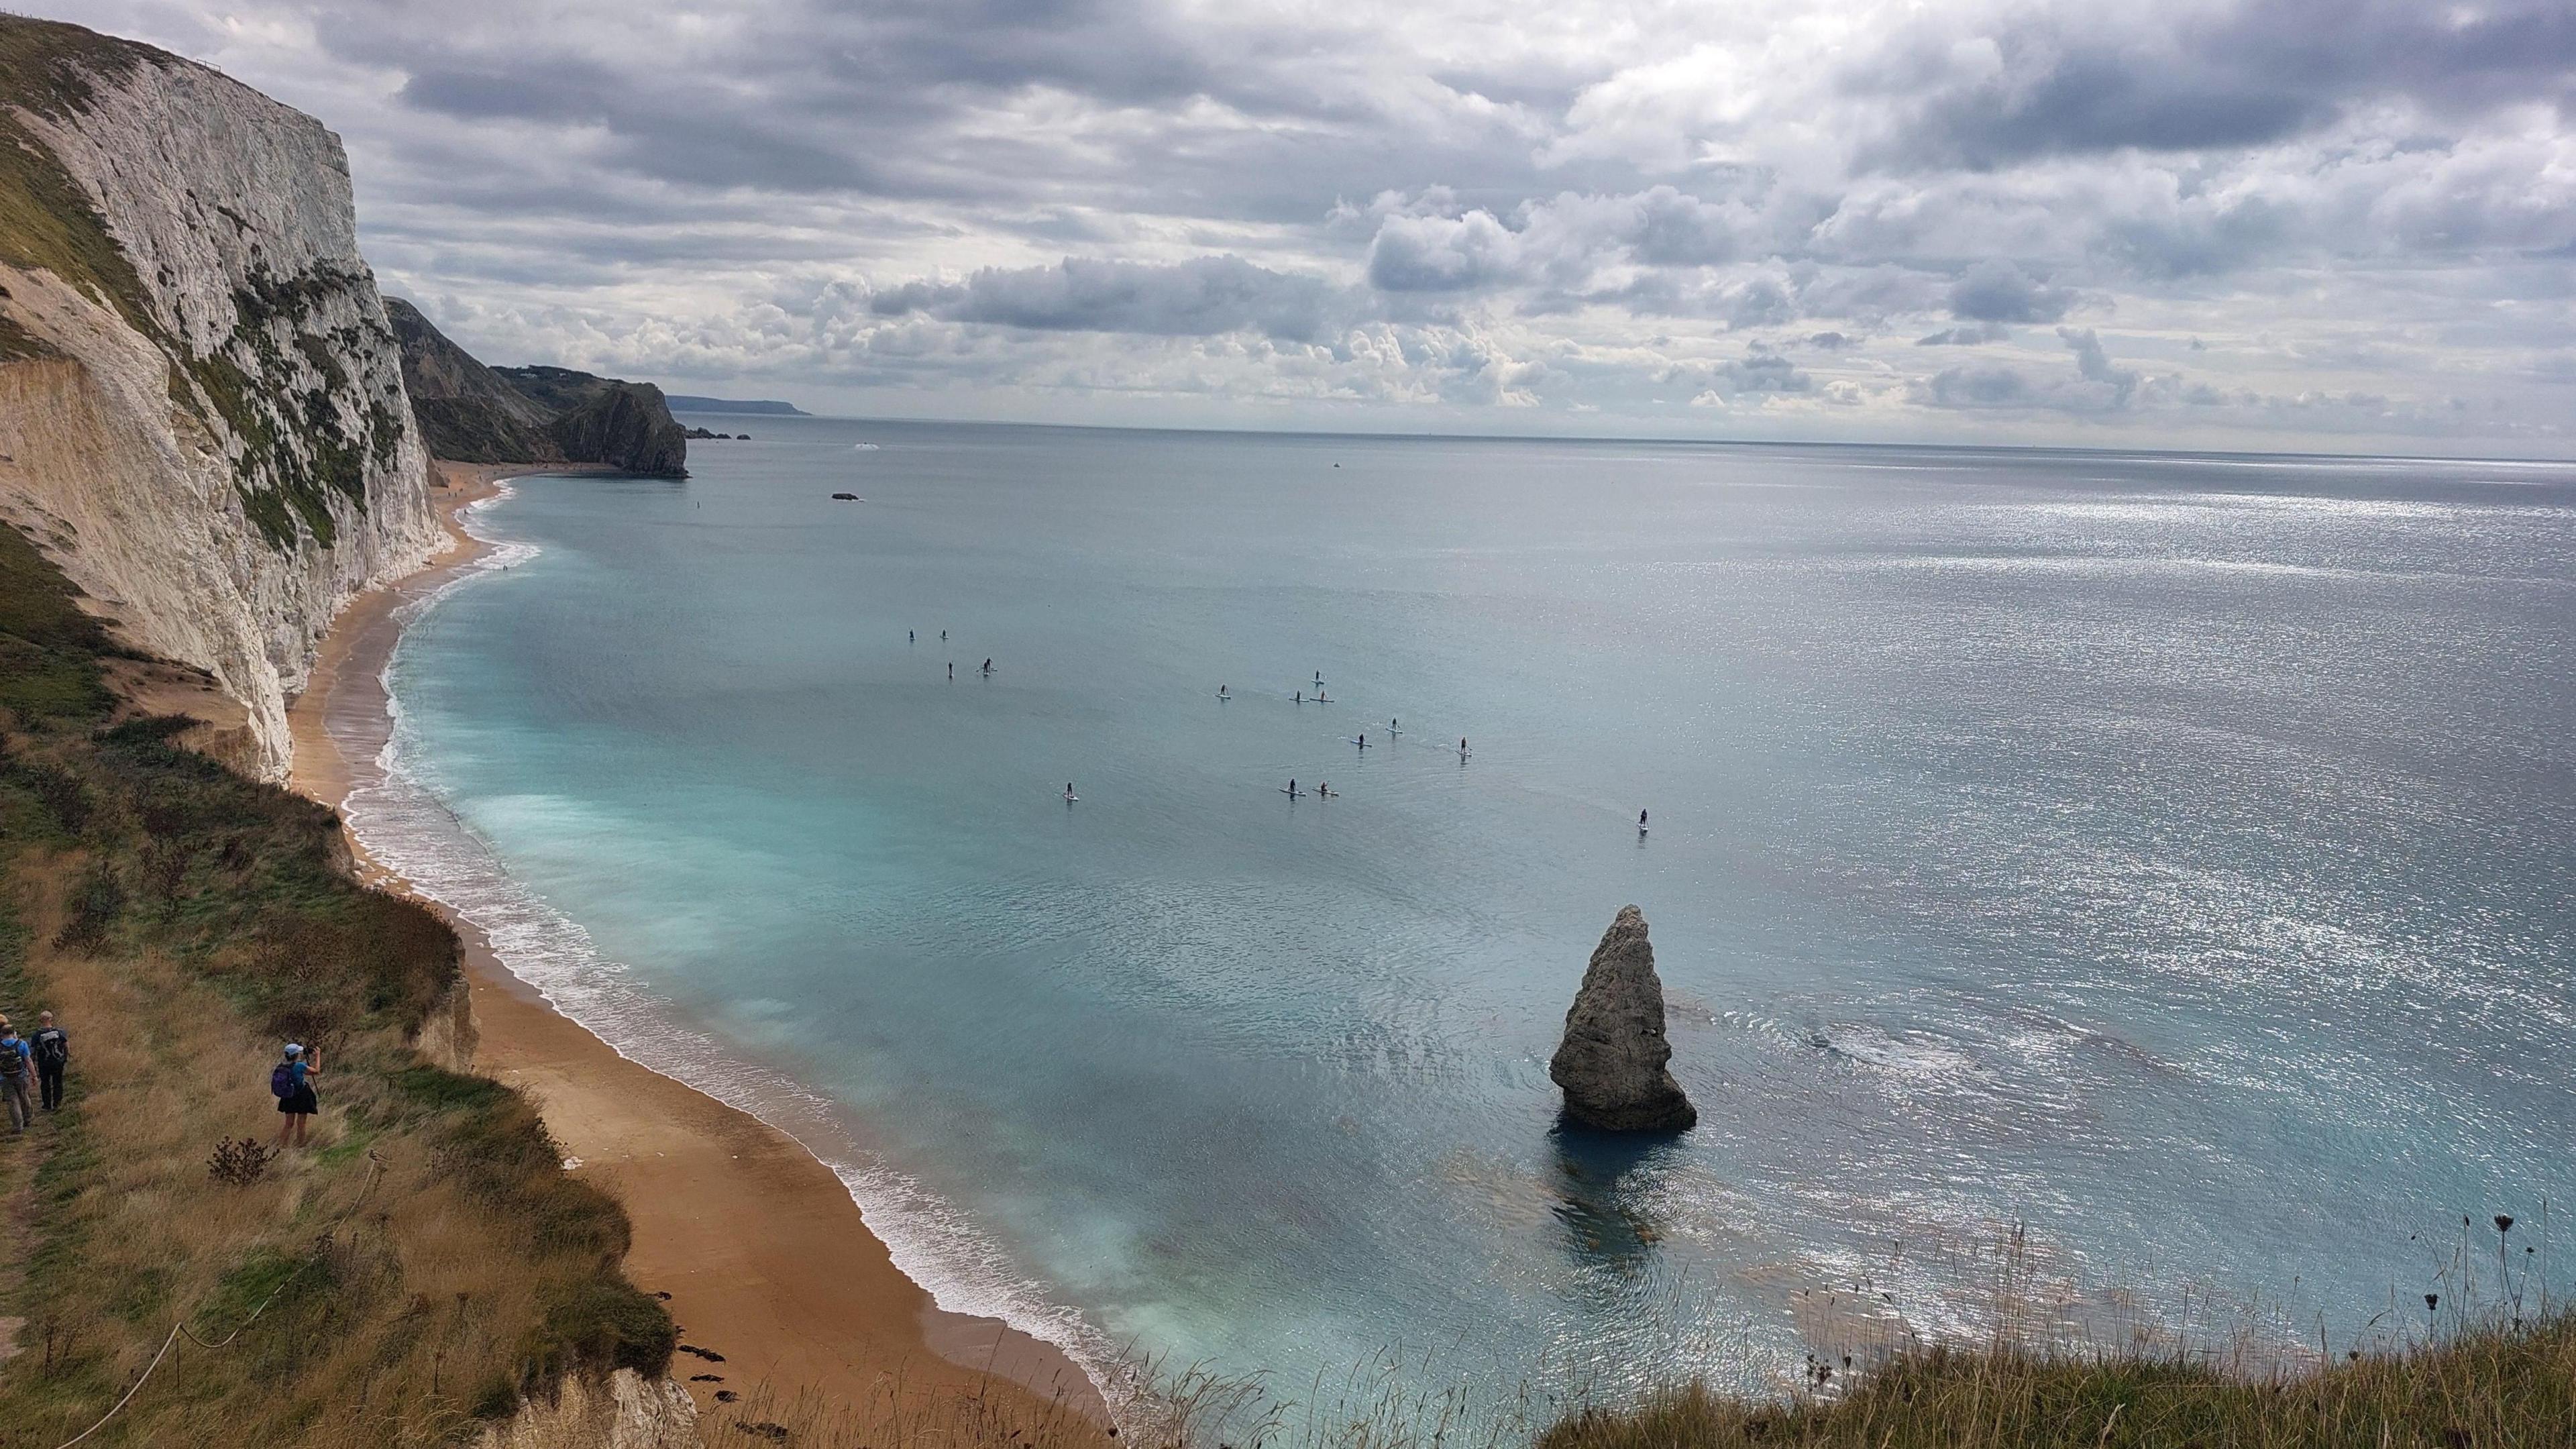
x=1612, y=1063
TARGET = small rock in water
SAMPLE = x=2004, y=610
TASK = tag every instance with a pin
x=1613, y=1061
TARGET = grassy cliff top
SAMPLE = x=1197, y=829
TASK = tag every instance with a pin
x=425, y=1264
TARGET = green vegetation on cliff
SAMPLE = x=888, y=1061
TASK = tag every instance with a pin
x=46, y=220
x=404, y=1281
x=303, y=431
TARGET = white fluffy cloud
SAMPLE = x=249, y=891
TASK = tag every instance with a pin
x=2234, y=222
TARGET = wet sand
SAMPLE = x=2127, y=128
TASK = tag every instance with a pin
x=764, y=1256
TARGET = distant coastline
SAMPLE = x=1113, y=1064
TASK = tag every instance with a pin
x=743, y=407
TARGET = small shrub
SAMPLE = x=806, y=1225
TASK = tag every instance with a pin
x=95, y=907
x=239, y=1161
x=601, y=1324
x=62, y=795
x=498, y=1398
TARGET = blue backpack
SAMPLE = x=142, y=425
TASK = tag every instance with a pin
x=281, y=1080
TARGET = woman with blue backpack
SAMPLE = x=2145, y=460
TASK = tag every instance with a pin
x=17, y=1065
x=291, y=1083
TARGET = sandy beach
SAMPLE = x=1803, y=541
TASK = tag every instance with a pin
x=763, y=1257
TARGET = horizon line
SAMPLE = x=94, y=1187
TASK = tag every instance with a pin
x=1625, y=438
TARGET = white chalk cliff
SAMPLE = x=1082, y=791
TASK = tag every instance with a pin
x=202, y=416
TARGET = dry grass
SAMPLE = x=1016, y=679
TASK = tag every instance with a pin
x=404, y=1280
x=2500, y=1388
x=2486, y=1362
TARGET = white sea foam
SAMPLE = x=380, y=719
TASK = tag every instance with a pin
x=406, y=826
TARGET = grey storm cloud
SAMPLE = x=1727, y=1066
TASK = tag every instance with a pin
x=2098, y=387
x=1609, y=211
x=2084, y=80
x=1981, y=333
x=1202, y=297
x=1998, y=291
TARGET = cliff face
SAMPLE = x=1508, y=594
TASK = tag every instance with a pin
x=624, y=1410
x=467, y=411
x=602, y=420
x=478, y=414
x=202, y=415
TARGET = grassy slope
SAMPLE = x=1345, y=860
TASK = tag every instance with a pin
x=2501, y=1388
x=436, y=1261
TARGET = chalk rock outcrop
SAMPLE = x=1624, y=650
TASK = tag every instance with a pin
x=1613, y=1060
x=625, y=1410
x=478, y=414
x=202, y=416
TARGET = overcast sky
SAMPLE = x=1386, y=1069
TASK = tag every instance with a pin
x=2346, y=224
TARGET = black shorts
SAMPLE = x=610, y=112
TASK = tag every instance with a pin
x=301, y=1101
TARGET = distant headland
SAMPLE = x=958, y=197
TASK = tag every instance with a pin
x=763, y=407
x=476, y=414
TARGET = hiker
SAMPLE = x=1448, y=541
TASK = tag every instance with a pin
x=291, y=1083
x=16, y=1066
x=53, y=1052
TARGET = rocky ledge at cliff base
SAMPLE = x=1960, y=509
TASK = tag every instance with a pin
x=1612, y=1063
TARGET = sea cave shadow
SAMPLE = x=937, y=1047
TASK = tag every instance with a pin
x=1598, y=1203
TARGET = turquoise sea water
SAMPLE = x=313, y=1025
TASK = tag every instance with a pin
x=2169, y=854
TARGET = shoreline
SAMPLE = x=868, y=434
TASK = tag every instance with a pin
x=759, y=1249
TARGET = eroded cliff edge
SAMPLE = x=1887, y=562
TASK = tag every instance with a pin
x=202, y=413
